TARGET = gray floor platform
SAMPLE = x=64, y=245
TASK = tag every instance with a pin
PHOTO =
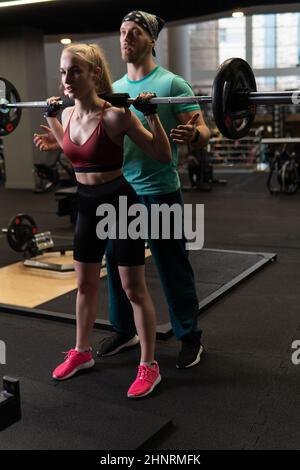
x=217, y=272
x=54, y=418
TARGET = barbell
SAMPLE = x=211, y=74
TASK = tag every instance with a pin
x=234, y=99
x=20, y=233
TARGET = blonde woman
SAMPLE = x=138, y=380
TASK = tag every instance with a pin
x=91, y=135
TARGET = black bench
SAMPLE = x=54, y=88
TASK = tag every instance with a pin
x=67, y=202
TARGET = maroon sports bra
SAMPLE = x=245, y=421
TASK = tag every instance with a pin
x=97, y=154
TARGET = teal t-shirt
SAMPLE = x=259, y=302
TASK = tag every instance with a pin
x=143, y=172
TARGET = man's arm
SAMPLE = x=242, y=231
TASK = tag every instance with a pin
x=192, y=129
x=194, y=132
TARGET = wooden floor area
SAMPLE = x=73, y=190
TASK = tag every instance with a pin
x=28, y=287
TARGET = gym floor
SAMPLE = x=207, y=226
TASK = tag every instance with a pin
x=244, y=394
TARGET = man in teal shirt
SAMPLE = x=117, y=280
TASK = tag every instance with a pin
x=156, y=183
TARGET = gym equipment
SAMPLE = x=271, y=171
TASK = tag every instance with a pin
x=23, y=237
x=278, y=121
x=285, y=168
x=200, y=171
x=231, y=102
x=2, y=161
x=21, y=233
x=234, y=100
x=9, y=118
x=48, y=176
x=10, y=402
x=67, y=202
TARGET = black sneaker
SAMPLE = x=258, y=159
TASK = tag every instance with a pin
x=115, y=343
x=191, y=351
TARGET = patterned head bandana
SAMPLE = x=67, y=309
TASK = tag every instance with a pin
x=151, y=23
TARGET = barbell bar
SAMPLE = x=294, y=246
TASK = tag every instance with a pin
x=234, y=99
x=255, y=98
x=28, y=104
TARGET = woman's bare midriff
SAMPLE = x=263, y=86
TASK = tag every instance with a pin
x=98, y=178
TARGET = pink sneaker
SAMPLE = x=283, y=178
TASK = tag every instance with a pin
x=74, y=361
x=146, y=380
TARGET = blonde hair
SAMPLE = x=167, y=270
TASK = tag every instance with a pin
x=94, y=55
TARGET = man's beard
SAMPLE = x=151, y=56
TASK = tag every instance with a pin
x=130, y=57
x=135, y=56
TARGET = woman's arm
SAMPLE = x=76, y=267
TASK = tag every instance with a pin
x=45, y=142
x=54, y=124
x=154, y=143
x=56, y=129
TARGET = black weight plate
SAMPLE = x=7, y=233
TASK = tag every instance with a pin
x=9, y=120
x=20, y=232
x=233, y=117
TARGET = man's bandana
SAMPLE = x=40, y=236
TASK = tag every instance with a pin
x=151, y=23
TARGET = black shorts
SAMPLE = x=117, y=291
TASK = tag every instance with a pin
x=88, y=247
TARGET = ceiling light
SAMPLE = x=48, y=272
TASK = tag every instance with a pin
x=16, y=3
x=66, y=41
x=237, y=14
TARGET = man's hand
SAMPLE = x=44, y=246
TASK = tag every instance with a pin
x=45, y=142
x=185, y=133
